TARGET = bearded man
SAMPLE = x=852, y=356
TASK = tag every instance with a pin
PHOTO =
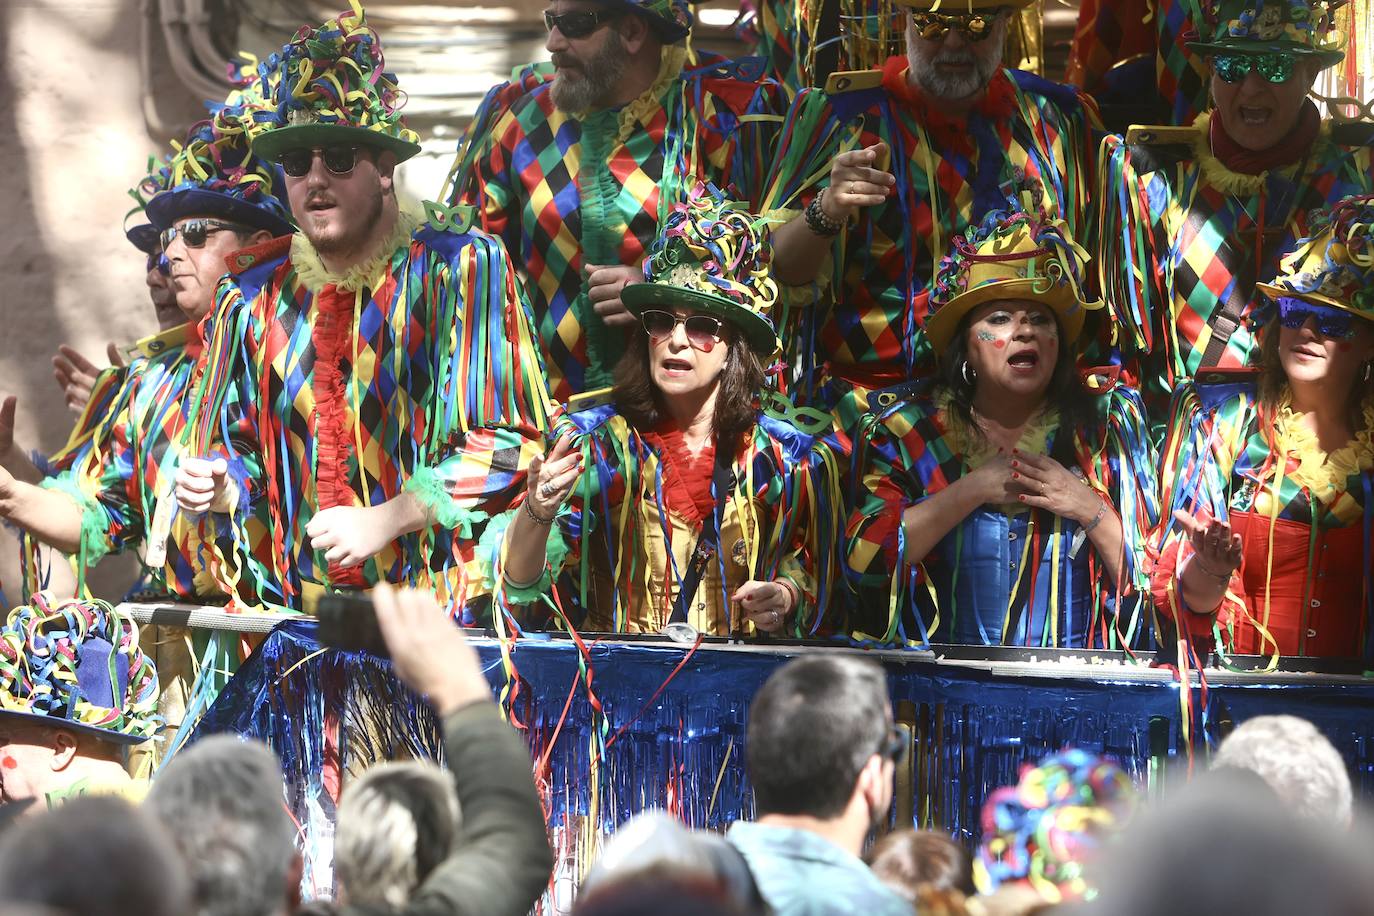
x=575, y=172
x=917, y=152
x=371, y=384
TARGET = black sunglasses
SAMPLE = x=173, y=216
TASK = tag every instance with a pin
x=579, y=24
x=703, y=331
x=935, y=26
x=340, y=160
x=894, y=745
x=194, y=232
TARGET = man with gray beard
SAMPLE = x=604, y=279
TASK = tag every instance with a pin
x=908, y=157
x=574, y=167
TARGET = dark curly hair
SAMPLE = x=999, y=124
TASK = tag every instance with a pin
x=640, y=402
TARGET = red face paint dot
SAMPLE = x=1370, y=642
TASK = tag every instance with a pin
x=999, y=344
x=9, y=762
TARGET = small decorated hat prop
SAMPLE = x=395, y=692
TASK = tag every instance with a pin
x=1044, y=829
x=1304, y=28
x=671, y=19
x=710, y=257
x=143, y=235
x=328, y=86
x=214, y=173
x=1009, y=255
x=77, y=665
x=1334, y=267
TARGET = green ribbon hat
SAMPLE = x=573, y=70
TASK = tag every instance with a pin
x=1298, y=27
x=710, y=257
x=328, y=86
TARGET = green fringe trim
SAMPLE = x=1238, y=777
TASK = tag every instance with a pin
x=426, y=486
x=491, y=546
x=94, y=544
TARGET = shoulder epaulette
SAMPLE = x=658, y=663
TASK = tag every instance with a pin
x=539, y=70
x=853, y=81
x=1218, y=385
x=149, y=347
x=744, y=69
x=882, y=401
x=1352, y=133
x=588, y=400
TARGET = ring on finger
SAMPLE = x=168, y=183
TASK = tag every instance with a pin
x=545, y=489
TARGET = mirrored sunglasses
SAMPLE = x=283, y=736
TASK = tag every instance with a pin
x=935, y=26
x=579, y=24
x=1276, y=67
x=194, y=232
x=158, y=261
x=339, y=160
x=1331, y=322
x=703, y=331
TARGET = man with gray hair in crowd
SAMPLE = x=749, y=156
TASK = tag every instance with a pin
x=822, y=751
x=916, y=153
x=1302, y=767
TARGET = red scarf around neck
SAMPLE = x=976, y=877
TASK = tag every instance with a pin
x=948, y=130
x=1286, y=152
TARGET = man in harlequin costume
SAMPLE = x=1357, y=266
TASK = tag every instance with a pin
x=576, y=172
x=370, y=383
x=76, y=694
x=915, y=153
x=1192, y=217
x=116, y=491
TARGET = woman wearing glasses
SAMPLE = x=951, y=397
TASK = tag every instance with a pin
x=1272, y=491
x=1195, y=215
x=1009, y=502
x=679, y=500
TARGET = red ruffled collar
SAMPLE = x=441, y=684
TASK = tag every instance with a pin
x=686, y=477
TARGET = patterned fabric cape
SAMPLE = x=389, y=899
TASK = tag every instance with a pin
x=866, y=328
x=564, y=191
x=129, y=465
x=1182, y=234
x=616, y=555
x=415, y=372
x=909, y=452
x=1221, y=456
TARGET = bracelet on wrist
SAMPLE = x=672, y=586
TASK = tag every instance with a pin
x=1220, y=577
x=536, y=517
x=1097, y=519
x=820, y=222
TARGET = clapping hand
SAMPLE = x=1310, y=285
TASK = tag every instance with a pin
x=1216, y=549
x=604, y=284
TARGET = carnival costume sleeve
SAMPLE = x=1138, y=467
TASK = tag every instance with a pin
x=779, y=521
x=1200, y=451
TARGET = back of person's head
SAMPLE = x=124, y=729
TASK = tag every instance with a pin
x=653, y=857
x=1296, y=761
x=94, y=856
x=397, y=822
x=222, y=800
x=910, y=861
x=813, y=726
x=1224, y=843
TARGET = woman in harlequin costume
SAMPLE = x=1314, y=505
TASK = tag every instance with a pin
x=1192, y=217
x=1272, y=486
x=105, y=496
x=1008, y=502
x=371, y=384
x=678, y=500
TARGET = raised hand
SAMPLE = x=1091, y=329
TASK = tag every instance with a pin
x=551, y=479
x=604, y=283
x=76, y=375
x=858, y=178
x=204, y=485
x=1216, y=549
x=428, y=651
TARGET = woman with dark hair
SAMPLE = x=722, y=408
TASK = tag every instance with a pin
x=1268, y=548
x=677, y=500
x=1007, y=502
